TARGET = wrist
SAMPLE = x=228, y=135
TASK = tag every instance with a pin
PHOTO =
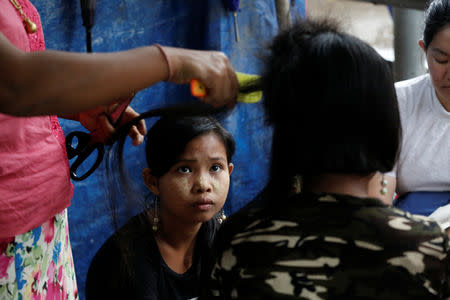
x=168, y=61
x=73, y=117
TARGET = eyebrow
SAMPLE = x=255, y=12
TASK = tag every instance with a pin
x=439, y=51
x=218, y=158
x=211, y=159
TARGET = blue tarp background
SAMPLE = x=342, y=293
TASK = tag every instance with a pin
x=197, y=24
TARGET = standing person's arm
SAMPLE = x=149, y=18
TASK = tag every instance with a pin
x=57, y=82
x=98, y=123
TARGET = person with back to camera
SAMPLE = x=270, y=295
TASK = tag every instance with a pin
x=36, y=86
x=163, y=252
x=421, y=177
x=331, y=100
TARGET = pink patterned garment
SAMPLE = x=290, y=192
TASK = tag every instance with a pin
x=34, y=175
x=35, y=189
x=38, y=264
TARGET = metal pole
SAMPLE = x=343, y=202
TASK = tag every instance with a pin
x=409, y=58
x=283, y=14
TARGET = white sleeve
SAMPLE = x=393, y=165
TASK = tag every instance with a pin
x=401, y=96
x=392, y=173
x=442, y=216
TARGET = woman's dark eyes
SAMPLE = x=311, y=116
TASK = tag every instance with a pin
x=184, y=169
x=216, y=168
x=440, y=61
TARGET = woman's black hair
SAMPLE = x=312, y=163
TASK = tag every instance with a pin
x=437, y=16
x=332, y=102
x=168, y=137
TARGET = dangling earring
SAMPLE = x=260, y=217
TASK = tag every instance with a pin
x=155, y=226
x=221, y=217
x=147, y=202
x=384, y=183
x=297, y=184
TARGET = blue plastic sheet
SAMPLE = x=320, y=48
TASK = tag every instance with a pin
x=423, y=202
x=204, y=24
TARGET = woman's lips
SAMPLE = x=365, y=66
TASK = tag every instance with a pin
x=204, y=204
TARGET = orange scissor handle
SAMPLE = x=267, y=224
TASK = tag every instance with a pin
x=197, y=88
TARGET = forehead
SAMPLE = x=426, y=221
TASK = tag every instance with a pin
x=442, y=39
x=209, y=144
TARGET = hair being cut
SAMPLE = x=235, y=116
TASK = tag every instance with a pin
x=332, y=102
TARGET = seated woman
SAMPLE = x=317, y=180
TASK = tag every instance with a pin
x=332, y=103
x=421, y=177
x=162, y=252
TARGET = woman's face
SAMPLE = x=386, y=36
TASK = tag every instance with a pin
x=438, y=59
x=196, y=187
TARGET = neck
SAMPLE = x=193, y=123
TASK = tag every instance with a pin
x=348, y=184
x=178, y=237
x=444, y=102
x=176, y=243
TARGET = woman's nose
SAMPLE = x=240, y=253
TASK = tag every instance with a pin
x=202, y=184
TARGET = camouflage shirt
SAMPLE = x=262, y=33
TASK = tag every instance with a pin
x=330, y=247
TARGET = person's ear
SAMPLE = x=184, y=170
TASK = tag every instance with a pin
x=150, y=181
x=230, y=168
x=422, y=46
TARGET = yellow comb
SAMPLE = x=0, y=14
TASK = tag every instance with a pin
x=198, y=89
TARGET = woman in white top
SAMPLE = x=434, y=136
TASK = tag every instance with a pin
x=421, y=176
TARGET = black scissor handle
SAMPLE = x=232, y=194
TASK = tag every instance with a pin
x=83, y=140
x=83, y=150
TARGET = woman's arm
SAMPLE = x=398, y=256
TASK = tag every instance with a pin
x=442, y=215
x=57, y=82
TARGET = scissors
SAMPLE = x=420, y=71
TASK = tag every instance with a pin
x=86, y=145
x=198, y=89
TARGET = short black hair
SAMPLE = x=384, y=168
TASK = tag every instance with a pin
x=168, y=137
x=332, y=102
x=437, y=16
